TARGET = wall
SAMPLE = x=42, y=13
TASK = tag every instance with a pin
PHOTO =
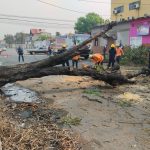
x=117, y=34
x=145, y=39
x=144, y=9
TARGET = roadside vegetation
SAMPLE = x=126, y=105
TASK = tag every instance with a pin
x=95, y=92
x=135, y=56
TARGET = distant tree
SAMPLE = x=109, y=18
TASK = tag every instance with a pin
x=43, y=37
x=85, y=24
x=58, y=34
x=9, y=39
x=20, y=38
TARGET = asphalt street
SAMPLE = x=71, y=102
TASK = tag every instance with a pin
x=10, y=57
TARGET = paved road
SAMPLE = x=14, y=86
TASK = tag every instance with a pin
x=10, y=57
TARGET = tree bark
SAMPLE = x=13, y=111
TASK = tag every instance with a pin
x=110, y=78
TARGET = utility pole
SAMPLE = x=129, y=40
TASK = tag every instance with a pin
x=149, y=60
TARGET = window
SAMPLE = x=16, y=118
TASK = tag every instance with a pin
x=134, y=5
x=119, y=9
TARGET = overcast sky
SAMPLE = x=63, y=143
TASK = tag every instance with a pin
x=34, y=8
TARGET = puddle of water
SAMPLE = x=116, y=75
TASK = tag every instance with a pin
x=19, y=94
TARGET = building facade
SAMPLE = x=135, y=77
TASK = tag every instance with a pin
x=139, y=33
x=129, y=9
x=117, y=35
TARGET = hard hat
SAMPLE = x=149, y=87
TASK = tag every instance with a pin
x=64, y=45
x=112, y=45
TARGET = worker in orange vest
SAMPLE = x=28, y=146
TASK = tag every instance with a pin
x=75, y=61
x=97, y=58
x=119, y=53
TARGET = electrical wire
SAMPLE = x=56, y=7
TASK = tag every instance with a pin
x=37, y=18
x=30, y=21
x=34, y=25
x=67, y=9
x=91, y=1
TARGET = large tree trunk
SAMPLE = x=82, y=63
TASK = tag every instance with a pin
x=45, y=67
x=110, y=78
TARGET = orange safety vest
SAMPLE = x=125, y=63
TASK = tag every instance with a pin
x=119, y=52
x=97, y=58
x=75, y=58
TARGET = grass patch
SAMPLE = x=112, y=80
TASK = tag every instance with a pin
x=95, y=92
x=68, y=120
x=124, y=104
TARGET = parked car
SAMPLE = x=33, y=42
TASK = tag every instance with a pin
x=85, y=52
x=40, y=50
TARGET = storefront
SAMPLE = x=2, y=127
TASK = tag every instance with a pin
x=139, y=33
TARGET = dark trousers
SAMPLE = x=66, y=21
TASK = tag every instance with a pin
x=111, y=62
x=21, y=56
x=75, y=62
x=66, y=62
x=118, y=58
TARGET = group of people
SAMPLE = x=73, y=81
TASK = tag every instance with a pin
x=75, y=59
x=115, y=53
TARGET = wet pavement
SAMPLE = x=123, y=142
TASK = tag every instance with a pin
x=19, y=94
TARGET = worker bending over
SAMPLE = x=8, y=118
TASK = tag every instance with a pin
x=98, y=61
x=97, y=58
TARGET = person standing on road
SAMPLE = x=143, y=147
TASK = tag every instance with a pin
x=62, y=51
x=75, y=61
x=112, y=54
x=49, y=50
x=119, y=53
x=104, y=51
x=20, y=53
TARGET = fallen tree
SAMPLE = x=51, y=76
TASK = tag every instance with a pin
x=45, y=67
x=144, y=71
x=110, y=78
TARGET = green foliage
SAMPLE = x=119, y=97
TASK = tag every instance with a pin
x=68, y=120
x=9, y=39
x=85, y=24
x=20, y=38
x=58, y=34
x=43, y=37
x=95, y=92
x=124, y=104
x=137, y=56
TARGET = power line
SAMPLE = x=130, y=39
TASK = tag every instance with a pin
x=37, y=25
x=94, y=1
x=38, y=18
x=30, y=21
x=67, y=9
x=91, y=1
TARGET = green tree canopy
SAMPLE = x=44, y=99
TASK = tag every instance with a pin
x=85, y=24
x=20, y=38
x=9, y=39
x=43, y=37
